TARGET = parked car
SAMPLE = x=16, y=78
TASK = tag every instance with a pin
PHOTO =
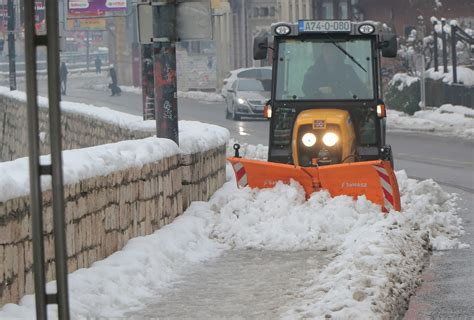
x=247, y=97
x=254, y=73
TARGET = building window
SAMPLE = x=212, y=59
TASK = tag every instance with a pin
x=264, y=12
x=255, y=12
x=327, y=10
x=272, y=11
x=343, y=10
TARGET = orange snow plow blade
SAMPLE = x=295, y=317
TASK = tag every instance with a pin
x=373, y=179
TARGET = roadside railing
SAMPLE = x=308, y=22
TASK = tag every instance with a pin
x=439, y=93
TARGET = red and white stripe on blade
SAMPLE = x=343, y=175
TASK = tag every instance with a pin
x=240, y=174
x=388, y=196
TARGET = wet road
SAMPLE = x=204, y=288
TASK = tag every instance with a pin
x=447, y=292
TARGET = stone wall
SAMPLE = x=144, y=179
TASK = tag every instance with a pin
x=103, y=213
x=78, y=130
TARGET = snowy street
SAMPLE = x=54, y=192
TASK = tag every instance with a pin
x=237, y=159
x=446, y=159
x=251, y=255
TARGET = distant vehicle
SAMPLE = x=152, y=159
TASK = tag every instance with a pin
x=251, y=73
x=247, y=97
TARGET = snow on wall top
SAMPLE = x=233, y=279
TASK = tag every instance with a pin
x=194, y=136
x=86, y=163
x=101, y=160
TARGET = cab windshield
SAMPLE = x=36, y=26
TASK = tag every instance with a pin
x=324, y=69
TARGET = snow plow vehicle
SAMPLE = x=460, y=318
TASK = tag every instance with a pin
x=327, y=117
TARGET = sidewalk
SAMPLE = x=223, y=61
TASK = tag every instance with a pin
x=447, y=291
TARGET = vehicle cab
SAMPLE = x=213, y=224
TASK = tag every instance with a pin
x=326, y=98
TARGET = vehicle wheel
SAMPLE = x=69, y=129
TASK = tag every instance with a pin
x=235, y=116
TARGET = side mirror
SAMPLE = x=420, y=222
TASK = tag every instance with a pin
x=389, y=45
x=260, y=46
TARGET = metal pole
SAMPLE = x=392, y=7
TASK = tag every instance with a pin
x=11, y=44
x=87, y=49
x=420, y=35
x=443, y=39
x=166, y=102
x=435, y=38
x=52, y=16
x=453, y=53
x=34, y=152
x=422, y=84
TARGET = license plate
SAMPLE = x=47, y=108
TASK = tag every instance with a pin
x=319, y=124
x=324, y=26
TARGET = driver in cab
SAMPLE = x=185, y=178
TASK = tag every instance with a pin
x=329, y=77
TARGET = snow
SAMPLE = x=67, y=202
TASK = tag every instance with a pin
x=193, y=95
x=404, y=79
x=447, y=120
x=375, y=265
x=464, y=75
x=249, y=151
x=194, y=135
x=86, y=163
x=201, y=96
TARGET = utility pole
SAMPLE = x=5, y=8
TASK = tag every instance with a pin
x=11, y=44
x=158, y=29
x=164, y=56
x=435, y=47
x=443, y=39
x=453, y=53
x=88, y=34
x=420, y=34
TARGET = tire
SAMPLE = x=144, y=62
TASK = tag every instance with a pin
x=235, y=116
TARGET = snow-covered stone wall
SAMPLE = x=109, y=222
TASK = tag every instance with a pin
x=79, y=130
x=103, y=213
x=113, y=191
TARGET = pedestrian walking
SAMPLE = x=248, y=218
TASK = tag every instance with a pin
x=98, y=65
x=113, y=82
x=63, y=77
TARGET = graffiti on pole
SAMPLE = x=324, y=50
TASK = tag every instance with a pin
x=148, y=82
x=165, y=90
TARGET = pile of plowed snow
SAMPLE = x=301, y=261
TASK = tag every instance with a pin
x=446, y=120
x=376, y=261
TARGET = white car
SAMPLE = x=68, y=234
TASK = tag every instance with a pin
x=249, y=73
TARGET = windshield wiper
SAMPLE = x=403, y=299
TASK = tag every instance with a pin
x=348, y=54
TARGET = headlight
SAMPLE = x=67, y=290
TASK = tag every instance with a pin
x=330, y=139
x=309, y=139
x=282, y=30
x=366, y=28
x=241, y=101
